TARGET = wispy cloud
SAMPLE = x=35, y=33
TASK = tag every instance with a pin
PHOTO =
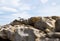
x=11, y=9
x=25, y=7
x=24, y=15
x=4, y=8
x=12, y=3
x=50, y=11
x=44, y=1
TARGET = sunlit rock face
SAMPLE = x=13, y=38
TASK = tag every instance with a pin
x=32, y=29
x=21, y=33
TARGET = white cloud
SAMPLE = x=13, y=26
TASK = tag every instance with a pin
x=15, y=2
x=4, y=8
x=44, y=1
x=12, y=3
x=50, y=11
x=15, y=6
x=24, y=15
x=25, y=7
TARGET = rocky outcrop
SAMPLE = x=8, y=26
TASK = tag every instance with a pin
x=20, y=33
x=32, y=29
x=44, y=24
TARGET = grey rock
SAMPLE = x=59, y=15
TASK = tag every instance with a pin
x=32, y=29
x=33, y=20
x=55, y=17
x=45, y=24
x=54, y=35
x=57, y=25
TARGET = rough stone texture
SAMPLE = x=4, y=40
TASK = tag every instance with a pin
x=54, y=35
x=45, y=24
x=19, y=33
x=15, y=22
x=32, y=29
x=57, y=25
x=33, y=20
x=55, y=17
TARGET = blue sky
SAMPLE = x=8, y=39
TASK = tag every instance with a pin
x=12, y=9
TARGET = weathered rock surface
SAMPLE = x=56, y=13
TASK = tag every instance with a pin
x=33, y=20
x=57, y=25
x=45, y=24
x=20, y=33
x=32, y=29
x=55, y=17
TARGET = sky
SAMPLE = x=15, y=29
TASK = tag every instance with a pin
x=12, y=9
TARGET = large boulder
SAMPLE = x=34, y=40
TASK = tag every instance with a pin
x=33, y=20
x=20, y=33
x=45, y=23
x=54, y=35
x=55, y=17
x=32, y=29
x=23, y=33
x=57, y=25
x=19, y=22
x=27, y=33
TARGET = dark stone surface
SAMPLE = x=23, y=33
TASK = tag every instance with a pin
x=57, y=25
x=1, y=39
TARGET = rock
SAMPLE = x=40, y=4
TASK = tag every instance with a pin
x=57, y=25
x=21, y=33
x=33, y=20
x=45, y=24
x=32, y=29
x=15, y=22
x=28, y=33
x=55, y=17
x=25, y=22
x=19, y=22
x=54, y=35
x=18, y=33
x=40, y=25
x=1, y=39
x=48, y=30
